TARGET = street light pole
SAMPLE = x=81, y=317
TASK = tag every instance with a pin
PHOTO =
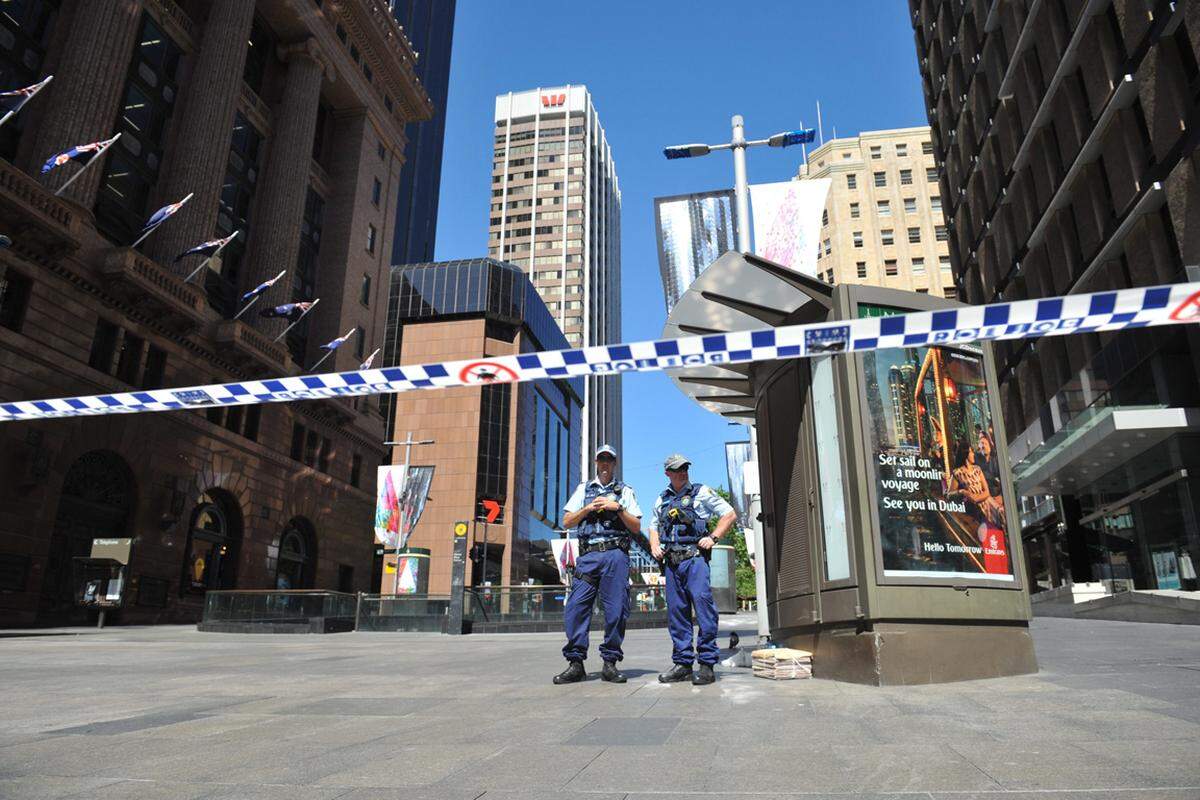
x=741, y=193
x=408, y=446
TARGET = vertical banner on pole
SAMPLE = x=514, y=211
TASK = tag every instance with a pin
x=787, y=222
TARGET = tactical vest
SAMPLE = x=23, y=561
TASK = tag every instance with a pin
x=603, y=525
x=678, y=523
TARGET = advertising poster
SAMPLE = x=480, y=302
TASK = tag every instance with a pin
x=936, y=474
x=409, y=569
x=787, y=222
x=399, y=502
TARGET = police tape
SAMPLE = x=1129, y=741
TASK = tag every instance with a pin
x=1023, y=319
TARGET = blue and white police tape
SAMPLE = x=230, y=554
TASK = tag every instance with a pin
x=1025, y=319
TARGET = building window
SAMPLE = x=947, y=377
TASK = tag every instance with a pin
x=212, y=546
x=854, y=212
x=889, y=268
x=901, y=150
x=881, y=179
x=828, y=248
x=129, y=359
x=376, y=191
x=370, y=238
x=846, y=156
x=24, y=34
x=104, y=346
x=944, y=262
x=857, y=238
x=950, y=293
x=851, y=181
x=887, y=236
x=307, y=260
x=364, y=291
x=918, y=266
x=940, y=232
x=910, y=205
x=876, y=151
x=295, y=564
x=149, y=100
x=355, y=469
x=931, y=174
x=491, y=470
x=935, y=203
x=883, y=208
x=914, y=235
x=906, y=177
x=155, y=370
x=825, y=217
x=927, y=148
x=360, y=343
x=258, y=56
x=861, y=267
x=233, y=209
x=15, y=289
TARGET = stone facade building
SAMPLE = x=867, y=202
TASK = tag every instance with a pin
x=882, y=223
x=284, y=120
x=1066, y=136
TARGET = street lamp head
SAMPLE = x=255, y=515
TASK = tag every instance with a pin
x=686, y=151
x=789, y=138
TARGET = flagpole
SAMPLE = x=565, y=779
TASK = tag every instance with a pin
x=91, y=161
x=41, y=86
x=160, y=222
x=322, y=361
x=297, y=322
x=371, y=357
x=204, y=263
x=820, y=129
x=246, y=307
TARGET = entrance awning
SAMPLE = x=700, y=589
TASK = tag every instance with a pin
x=738, y=292
x=1096, y=443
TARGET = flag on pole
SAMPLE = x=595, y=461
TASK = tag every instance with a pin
x=371, y=358
x=288, y=311
x=163, y=214
x=83, y=153
x=262, y=287
x=207, y=249
x=13, y=101
x=338, y=342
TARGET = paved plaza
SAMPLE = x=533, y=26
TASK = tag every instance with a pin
x=172, y=713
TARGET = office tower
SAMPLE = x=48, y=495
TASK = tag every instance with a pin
x=429, y=26
x=1065, y=134
x=556, y=214
x=693, y=229
x=882, y=223
x=284, y=121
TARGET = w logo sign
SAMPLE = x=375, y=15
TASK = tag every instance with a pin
x=1189, y=310
x=553, y=100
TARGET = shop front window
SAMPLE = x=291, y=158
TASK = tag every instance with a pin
x=295, y=558
x=212, y=552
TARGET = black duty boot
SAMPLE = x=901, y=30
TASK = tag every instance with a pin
x=704, y=675
x=572, y=674
x=677, y=673
x=611, y=674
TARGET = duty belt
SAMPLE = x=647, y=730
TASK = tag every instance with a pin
x=677, y=555
x=600, y=547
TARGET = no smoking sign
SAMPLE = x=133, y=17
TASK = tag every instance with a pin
x=485, y=372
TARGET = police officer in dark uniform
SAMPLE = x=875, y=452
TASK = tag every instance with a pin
x=606, y=513
x=680, y=538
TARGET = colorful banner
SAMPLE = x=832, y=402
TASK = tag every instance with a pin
x=693, y=231
x=787, y=221
x=399, y=501
x=1024, y=319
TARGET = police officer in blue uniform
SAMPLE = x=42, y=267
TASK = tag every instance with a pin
x=679, y=537
x=606, y=513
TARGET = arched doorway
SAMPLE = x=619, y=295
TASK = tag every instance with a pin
x=96, y=503
x=297, y=566
x=214, y=534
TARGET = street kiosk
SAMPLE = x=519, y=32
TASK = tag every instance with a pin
x=890, y=524
x=100, y=578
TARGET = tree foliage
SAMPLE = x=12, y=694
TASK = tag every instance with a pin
x=743, y=571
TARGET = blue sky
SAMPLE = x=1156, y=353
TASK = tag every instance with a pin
x=663, y=73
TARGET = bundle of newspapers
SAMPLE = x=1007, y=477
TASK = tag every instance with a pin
x=782, y=664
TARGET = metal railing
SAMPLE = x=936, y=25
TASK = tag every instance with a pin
x=537, y=603
x=276, y=607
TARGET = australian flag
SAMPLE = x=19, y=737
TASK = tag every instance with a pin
x=14, y=100
x=83, y=153
x=206, y=249
x=338, y=342
x=163, y=214
x=262, y=287
x=289, y=311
